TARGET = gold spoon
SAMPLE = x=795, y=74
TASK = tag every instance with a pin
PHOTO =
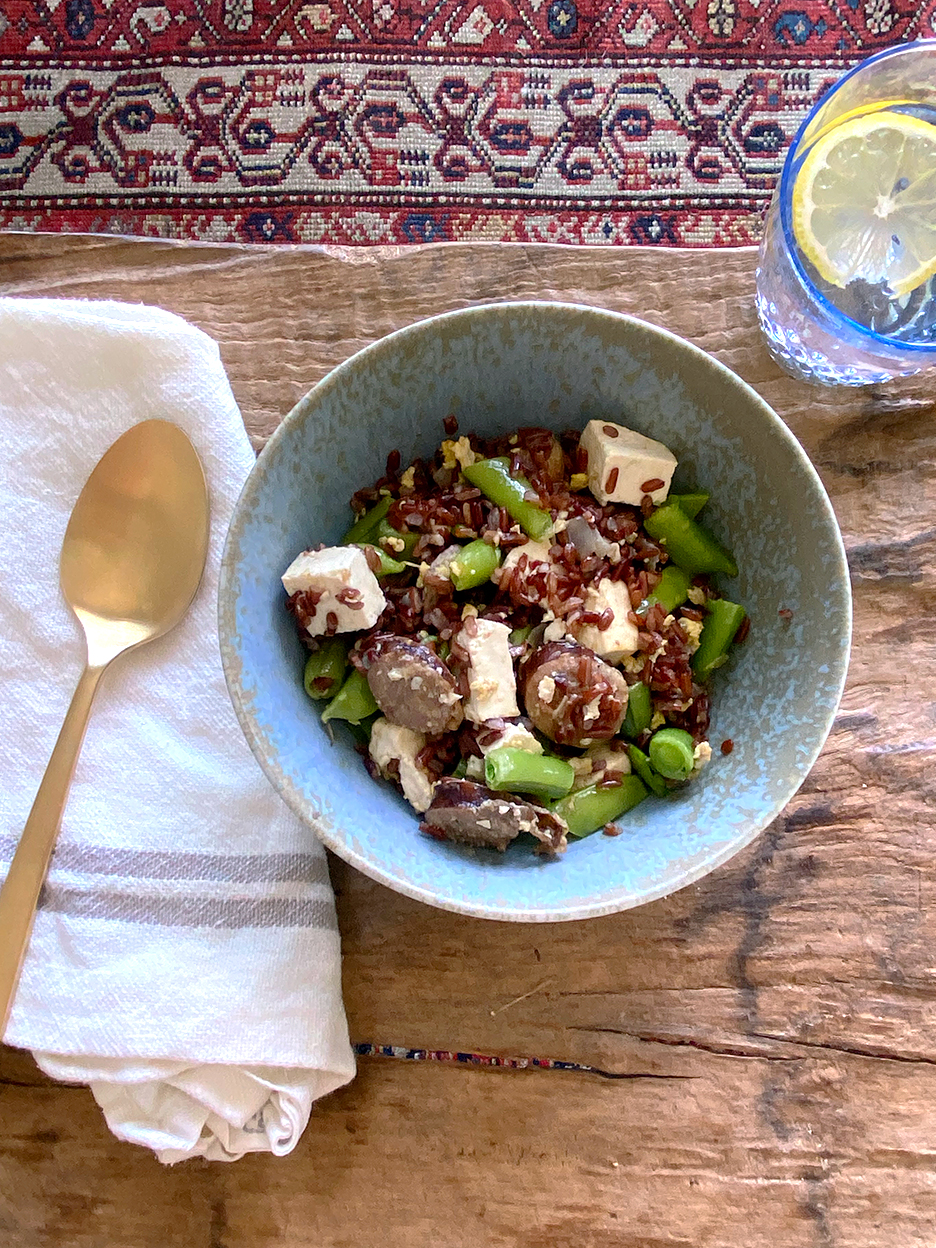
x=132, y=557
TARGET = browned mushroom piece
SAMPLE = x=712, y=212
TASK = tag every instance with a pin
x=412, y=686
x=470, y=814
x=571, y=695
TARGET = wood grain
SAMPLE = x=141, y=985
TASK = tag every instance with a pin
x=767, y=1037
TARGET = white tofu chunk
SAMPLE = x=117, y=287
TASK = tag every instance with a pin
x=701, y=756
x=591, y=767
x=393, y=743
x=620, y=639
x=491, y=682
x=512, y=737
x=330, y=572
x=621, y=461
x=555, y=630
x=474, y=769
x=608, y=757
x=536, y=552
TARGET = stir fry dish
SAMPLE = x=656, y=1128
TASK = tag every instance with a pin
x=520, y=632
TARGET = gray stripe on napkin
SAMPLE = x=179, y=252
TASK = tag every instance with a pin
x=166, y=865
x=170, y=911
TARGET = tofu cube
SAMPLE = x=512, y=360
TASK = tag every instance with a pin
x=621, y=461
x=620, y=639
x=331, y=572
x=393, y=743
x=491, y=682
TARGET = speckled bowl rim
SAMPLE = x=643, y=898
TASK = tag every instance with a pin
x=333, y=840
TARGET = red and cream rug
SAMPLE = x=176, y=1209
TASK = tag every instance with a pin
x=412, y=121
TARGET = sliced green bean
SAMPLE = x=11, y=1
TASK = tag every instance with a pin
x=388, y=566
x=474, y=564
x=639, y=710
x=519, y=635
x=672, y=589
x=722, y=621
x=364, y=526
x=671, y=753
x=590, y=809
x=691, y=503
x=362, y=732
x=494, y=480
x=641, y=765
x=518, y=771
x=690, y=546
x=325, y=668
x=353, y=701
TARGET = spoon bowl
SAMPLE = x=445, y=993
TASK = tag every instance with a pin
x=135, y=545
x=132, y=558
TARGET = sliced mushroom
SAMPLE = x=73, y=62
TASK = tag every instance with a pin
x=470, y=814
x=571, y=695
x=412, y=686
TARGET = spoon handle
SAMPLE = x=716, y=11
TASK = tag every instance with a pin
x=19, y=895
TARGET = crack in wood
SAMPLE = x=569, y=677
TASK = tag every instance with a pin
x=636, y=1074
x=690, y=1042
x=42, y=1087
x=881, y=1055
x=721, y=1049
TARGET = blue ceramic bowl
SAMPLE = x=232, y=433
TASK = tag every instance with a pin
x=498, y=367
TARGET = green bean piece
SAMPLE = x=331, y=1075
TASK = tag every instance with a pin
x=590, y=809
x=639, y=710
x=691, y=503
x=385, y=530
x=672, y=589
x=362, y=732
x=493, y=479
x=641, y=765
x=325, y=668
x=474, y=564
x=519, y=635
x=461, y=769
x=690, y=546
x=353, y=701
x=519, y=771
x=388, y=566
x=364, y=527
x=671, y=753
x=722, y=621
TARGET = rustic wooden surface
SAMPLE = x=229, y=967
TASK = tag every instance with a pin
x=764, y=1042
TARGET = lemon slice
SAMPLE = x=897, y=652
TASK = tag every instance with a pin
x=864, y=202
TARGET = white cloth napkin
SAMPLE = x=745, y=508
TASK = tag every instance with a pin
x=185, y=960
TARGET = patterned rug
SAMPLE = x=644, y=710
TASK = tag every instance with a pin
x=412, y=121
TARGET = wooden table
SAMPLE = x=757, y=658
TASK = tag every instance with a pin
x=763, y=1043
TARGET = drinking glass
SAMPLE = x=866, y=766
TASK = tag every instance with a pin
x=857, y=334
